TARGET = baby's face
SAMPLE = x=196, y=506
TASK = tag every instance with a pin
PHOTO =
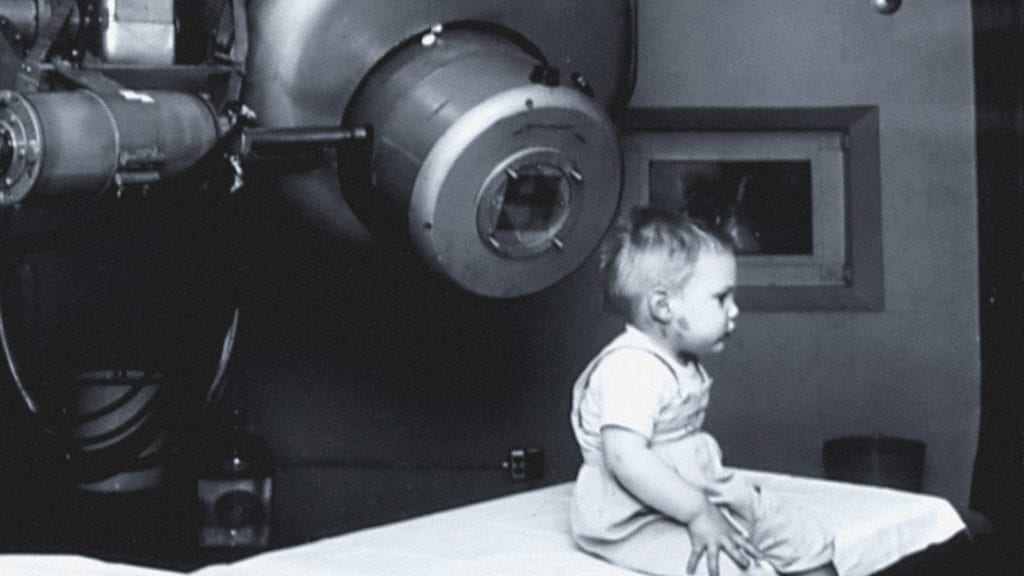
x=704, y=311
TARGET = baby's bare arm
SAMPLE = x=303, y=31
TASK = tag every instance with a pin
x=628, y=457
x=648, y=478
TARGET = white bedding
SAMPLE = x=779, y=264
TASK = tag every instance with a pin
x=528, y=534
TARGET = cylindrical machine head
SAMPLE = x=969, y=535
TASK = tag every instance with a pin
x=505, y=179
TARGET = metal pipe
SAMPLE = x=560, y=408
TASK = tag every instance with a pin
x=282, y=141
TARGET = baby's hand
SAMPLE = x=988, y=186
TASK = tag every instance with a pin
x=712, y=533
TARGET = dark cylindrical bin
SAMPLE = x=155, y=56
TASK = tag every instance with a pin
x=879, y=460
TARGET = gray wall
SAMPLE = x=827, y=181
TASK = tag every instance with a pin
x=385, y=394
x=788, y=381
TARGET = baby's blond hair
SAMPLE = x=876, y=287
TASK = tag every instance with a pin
x=652, y=247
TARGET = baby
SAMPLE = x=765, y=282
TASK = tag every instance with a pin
x=652, y=494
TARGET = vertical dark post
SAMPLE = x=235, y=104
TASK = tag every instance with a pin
x=998, y=488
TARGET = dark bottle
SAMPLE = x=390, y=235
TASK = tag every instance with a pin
x=235, y=487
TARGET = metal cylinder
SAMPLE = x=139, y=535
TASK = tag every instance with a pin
x=284, y=141
x=82, y=142
x=504, y=179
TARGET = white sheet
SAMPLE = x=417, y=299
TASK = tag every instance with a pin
x=68, y=565
x=874, y=526
x=528, y=534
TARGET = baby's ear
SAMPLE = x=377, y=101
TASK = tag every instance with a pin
x=658, y=305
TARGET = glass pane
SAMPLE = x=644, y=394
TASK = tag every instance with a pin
x=764, y=205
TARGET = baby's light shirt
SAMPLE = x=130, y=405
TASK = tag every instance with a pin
x=634, y=383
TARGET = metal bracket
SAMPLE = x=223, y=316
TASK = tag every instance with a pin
x=232, y=44
x=86, y=78
x=30, y=75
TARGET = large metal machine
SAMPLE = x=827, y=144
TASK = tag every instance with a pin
x=478, y=131
x=476, y=134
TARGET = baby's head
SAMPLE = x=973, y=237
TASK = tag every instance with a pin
x=650, y=261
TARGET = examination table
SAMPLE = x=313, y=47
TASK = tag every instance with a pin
x=528, y=534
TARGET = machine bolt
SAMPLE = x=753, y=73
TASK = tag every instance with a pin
x=430, y=38
x=582, y=85
x=575, y=175
x=494, y=242
x=512, y=174
x=557, y=243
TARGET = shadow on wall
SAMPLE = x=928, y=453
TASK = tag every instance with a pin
x=383, y=391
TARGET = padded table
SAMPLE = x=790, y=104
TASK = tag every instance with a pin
x=528, y=534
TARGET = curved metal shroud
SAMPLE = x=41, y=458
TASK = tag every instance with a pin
x=306, y=64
